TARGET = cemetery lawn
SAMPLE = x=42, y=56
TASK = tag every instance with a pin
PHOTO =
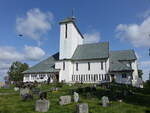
x=11, y=103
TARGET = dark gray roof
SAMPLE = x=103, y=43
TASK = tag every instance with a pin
x=91, y=51
x=118, y=66
x=45, y=65
x=123, y=55
x=117, y=58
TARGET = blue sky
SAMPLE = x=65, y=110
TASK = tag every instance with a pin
x=124, y=23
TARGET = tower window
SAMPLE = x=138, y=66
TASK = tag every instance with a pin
x=66, y=30
x=76, y=66
x=89, y=66
x=63, y=65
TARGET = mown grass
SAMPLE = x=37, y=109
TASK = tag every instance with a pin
x=13, y=104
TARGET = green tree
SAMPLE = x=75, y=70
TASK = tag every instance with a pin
x=15, y=71
x=140, y=73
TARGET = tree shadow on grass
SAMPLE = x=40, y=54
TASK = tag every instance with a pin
x=135, y=98
x=138, y=99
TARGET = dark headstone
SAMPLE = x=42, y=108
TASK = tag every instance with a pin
x=26, y=97
x=54, y=89
x=43, y=95
x=88, y=95
x=36, y=91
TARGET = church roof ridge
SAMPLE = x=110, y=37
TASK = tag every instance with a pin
x=95, y=43
x=68, y=19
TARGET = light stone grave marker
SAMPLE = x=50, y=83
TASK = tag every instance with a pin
x=24, y=91
x=76, y=97
x=82, y=108
x=105, y=101
x=16, y=89
x=65, y=100
x=42, y=105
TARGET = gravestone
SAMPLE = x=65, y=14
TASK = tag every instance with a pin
x=26, y=97
x=43, y=95
x=63, y=100
x=120, y=100
x=88, y=95
x=6, y=86
x=24, y=91
x=2, y=84
x=36, y=91
x=125, y=93
x=105, y=101
x=16, y=88
x=54, y=89
x=76, y=97
x=42, y=105
x=82, y=108
x=95, y=85
x=70, y=85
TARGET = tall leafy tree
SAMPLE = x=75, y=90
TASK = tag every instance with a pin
x=16, y=69
x=140, y=73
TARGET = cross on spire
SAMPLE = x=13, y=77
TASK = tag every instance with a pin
x=72, y=12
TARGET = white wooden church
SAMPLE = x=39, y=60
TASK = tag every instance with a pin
x=77, y=62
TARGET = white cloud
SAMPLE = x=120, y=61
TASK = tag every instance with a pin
x=145, y=64
x=28, y=53
x=3, y=69
x=9, y=54
x=3, y=73
x=35, y=24
x=4, y=65
x=93, y=37
x=136, y=34
x=33, y=53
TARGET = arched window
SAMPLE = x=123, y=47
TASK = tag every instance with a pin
x=86, y=77
x=72, y=77
x=76, y=66
x=89, y=77
x=89, y=66
x=102, y=65
x=92, y=77
x=63, y=65
x=76, y=77
x=102, y=77
x=79, y=78
x=99, y=76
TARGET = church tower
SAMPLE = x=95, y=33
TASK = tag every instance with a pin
x=70, y=38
